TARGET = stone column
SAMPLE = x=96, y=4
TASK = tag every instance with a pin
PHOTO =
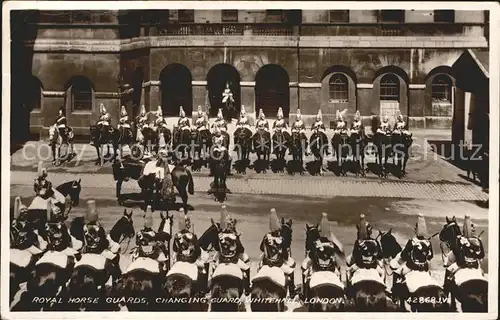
x=248, y=99
x=416, y=116
x=154, y=95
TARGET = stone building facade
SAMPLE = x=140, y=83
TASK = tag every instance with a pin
x=374, y=61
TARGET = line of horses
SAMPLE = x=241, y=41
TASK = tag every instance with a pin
x=58, y=279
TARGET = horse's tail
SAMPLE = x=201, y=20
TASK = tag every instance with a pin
x=190, y=182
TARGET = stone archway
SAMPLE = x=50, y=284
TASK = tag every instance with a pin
x=176, y=90
x=272, y=90
x=217, y=78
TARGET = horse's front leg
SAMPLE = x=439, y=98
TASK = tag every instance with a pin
x=98, y=150
x=118, y=191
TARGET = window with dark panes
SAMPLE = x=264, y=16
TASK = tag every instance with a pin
x=81, y=94
x=229, y=15
x=274, y=15
x=186, y=15
x=441, y=96
x=81, y=16
x=339, y=88
x=339, y=15
x=55, y=16
x=392, y=16
x=389, y=87
x=444, y=16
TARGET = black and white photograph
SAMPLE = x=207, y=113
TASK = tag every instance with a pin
x=162, y=156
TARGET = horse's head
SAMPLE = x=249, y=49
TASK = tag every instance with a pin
x=186, y=246
x=312, y=234
x=57, y=235
x=323, y=254
x=74, y=192
x=450, y=232
x=210, y=238
x=123, y=228
x=167, y=221
x=94, y=236
x=389, y=244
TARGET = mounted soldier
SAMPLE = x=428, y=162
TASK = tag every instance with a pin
x=261, y=123
x=183, y=123
x=142, y=122
x=94, y=233
x=384, y=127
x=201, y=123
x=319, y=127
x=220, y=122
x=243, y=119
x=104, y=120
x=274, y=236
x=59, y=216
x=161, y=170
x=148, y=245
x=160, y=122
x=22, y=235
x=417, y=253
x=62, y=125
x=357, y=125
x=124, y=122
x=400, y=125
x=228, y=100
x=280, y=124
x=44, y=190
x=299, y=126
x=340, y=124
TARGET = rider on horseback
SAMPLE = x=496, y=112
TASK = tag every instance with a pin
x=219, y=140
x=400, y=125
x=262, y=123
x=417, y=252
x=319, y=126
x=183, y=123
x=366, y=252
x=280, y=124
x=357, y=125
x=160, y=122
x=44, y=190
x=148, y=245
x=104, y=118
x=123, y=123
x=201, y=122
x=142, y=122
x=227, y=95
x=340, y=124
x=384, y=127
x=470, y=251
x=299, y=126
x=62, y=123
x=92, y=223
x=22, y=236
x=220, y=122
x=58, y=236
x=243, y=119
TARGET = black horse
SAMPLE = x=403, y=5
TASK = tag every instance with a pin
x=243, y=146
x=99, y=137
x=401, y=144
x=318, y=143
x=181, y=144
x=298, y=148
x=358, y=143
x=341, y=144
x=131, y=169
x=202, y=143
x=261, y=145
x=126, y=137
x=383, y=147
x=280, y=144
x=472, y=294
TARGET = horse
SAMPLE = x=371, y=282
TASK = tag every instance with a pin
x=131, y=169
x=324, y=289
x=150, y=139
x=318, y=143
x=358, y=144
x=181, y=144
x=472, y=292
x=429, y=297
x=37, y=214
x=202, y=144
x=261, y=145
x=383, y=147
x=298, y=147
x=220, y=163
x=57, y=140
x=125, y=137
x=99, y=138
x=280, y=144
x=243, y=146
x=401, y=144
x=341, y=144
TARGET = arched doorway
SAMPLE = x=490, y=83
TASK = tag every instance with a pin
x=217, y=78
x=272, y=91
x=176, y=90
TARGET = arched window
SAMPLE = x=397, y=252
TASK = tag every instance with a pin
x=81, y=94
x=339, y=88
x=389, y=87
x=441, y=96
